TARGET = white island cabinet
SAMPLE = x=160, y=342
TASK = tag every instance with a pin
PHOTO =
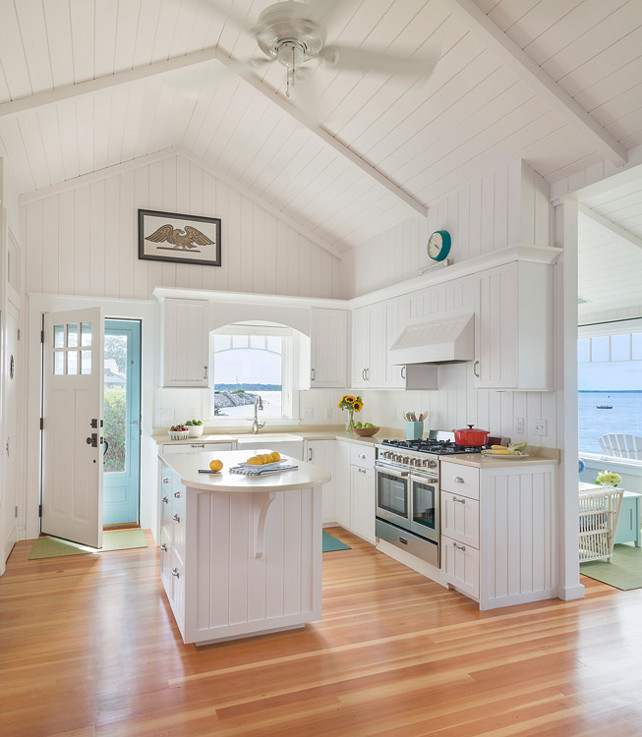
x=240, y=555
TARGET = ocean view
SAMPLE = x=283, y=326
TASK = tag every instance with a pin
x=624, y=416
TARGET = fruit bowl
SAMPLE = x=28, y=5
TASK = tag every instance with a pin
x=195, y=431
x=366, y=432
x=178, y=434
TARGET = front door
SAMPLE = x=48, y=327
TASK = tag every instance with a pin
x=72, y=436
x=122, y=422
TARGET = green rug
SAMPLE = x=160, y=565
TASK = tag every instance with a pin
x=53, y=547
x=623, y=572
x=331, y=543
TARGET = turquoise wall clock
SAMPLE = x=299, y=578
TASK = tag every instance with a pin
x=439, y=245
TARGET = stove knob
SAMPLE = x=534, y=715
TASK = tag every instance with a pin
x=432, y=464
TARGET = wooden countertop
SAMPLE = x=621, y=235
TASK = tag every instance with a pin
x=187, y=465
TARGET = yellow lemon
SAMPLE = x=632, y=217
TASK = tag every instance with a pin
x=266, y=458
x=216, y=465
x=254, y=461
x=276, y=456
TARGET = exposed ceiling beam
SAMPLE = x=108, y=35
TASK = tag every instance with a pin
x=609, y=225
x=513, y=56
x=66, y=92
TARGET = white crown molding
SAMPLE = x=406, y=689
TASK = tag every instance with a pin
x=522, y=64
x=271, y=300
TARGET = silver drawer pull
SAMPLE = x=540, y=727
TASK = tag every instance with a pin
x=459, y=480
x=166, y=479
x=176, y=517
x=163, y=547
x=164, y=499
x=197, y=445
x=177, y=495
x=362, y=455
x=403, y=540
x=362, y=470
x=459, y=547
x=176, y=573
x=458, y=500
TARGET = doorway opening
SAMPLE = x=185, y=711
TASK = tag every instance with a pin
x=121, y=396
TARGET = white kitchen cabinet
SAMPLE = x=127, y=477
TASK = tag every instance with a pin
x=397, y=317
x=342, y=484
x=328, y=345
x=172, y=541
x=323, y=453
x=514, y=327
x=196, y=447
x=369, y=347
x=362, y=491
x=185, y=341
x=499, y=532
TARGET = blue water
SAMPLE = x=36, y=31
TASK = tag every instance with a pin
x=625, y=417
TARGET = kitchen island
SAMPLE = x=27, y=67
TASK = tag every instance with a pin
x=240, y=555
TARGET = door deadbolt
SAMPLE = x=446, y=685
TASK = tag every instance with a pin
x=93, y=440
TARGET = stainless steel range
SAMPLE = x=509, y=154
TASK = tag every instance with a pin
x=407, y=492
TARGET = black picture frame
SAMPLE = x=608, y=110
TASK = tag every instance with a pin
x=181, y=239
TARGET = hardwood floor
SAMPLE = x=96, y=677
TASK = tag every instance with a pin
x=89, y=648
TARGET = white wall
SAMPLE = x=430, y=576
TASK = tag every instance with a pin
x=83, y=240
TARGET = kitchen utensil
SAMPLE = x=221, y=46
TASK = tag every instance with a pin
x=471, y=436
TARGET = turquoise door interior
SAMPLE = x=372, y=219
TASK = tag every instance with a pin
x=122, y=422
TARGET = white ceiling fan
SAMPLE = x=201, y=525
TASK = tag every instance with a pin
x=294, y=34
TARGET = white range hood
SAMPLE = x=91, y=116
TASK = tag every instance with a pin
x=449, y=337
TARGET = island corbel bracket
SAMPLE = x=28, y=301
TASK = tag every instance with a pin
x=260, y=502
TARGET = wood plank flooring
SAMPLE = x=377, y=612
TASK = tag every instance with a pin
x=89, y=648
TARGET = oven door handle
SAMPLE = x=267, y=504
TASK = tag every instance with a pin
x=392, y=471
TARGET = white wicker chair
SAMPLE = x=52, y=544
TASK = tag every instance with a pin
x=620, y=445
x=599, y=514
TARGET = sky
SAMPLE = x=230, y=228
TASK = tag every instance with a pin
x=615, y=376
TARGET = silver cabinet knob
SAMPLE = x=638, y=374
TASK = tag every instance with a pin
x=166, y=479
x=176, y=517
x=165, y=500
x=163, y=547
x=459, y=480
x=176, y=573
x=177, y=495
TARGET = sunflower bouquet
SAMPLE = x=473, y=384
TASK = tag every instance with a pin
x=352, y=404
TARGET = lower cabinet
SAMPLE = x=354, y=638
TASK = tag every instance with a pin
x=362, y=508
x=499, y=532
x=323, y=453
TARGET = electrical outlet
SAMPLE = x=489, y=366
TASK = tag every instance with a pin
x=519, y=425
x=540, y=427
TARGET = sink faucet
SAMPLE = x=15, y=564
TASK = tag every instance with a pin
x=258, y=405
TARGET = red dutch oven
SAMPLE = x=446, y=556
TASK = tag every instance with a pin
x=471, y=436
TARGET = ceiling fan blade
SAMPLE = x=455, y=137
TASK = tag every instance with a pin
x=228, y=13
x=345, y=57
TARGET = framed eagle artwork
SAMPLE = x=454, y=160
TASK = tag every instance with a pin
x=184, y=239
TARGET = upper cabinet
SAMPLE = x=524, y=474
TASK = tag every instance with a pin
x=185, y=342
x=328, y=347
x=514, y=327
x=369, y=346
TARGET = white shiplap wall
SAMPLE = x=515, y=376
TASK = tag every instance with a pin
x=83, y=240
x=507, y=207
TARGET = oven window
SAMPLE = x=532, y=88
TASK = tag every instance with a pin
x=391, y=493
x=424, y=497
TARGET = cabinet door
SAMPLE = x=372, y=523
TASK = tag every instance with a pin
x=460, y=518
x=397, y=316
x=378, y=363
x=362, y=502
x=342, y=484
x=328, y=364
x=185, y=342
x=460, y=564
x=323, y=453
x=360, y=346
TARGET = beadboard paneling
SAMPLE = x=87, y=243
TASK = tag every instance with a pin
x=84, y=241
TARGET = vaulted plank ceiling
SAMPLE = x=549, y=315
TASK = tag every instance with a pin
x=88, y=84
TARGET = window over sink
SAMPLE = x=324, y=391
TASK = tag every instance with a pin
x=249, y=361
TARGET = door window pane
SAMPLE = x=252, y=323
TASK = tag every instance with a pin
x=115, y=402
x=85, y=365
x=620, y=347
x=59, y=336
x=59, y=363
x=72, y=335
x=85, y=334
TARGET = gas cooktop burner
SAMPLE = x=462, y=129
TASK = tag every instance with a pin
x=438, y=447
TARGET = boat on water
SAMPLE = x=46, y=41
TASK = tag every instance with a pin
x=603, y=406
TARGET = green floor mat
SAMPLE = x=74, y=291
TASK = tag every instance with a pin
x=331, y=543
x=53, y=547
x=623, y=572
